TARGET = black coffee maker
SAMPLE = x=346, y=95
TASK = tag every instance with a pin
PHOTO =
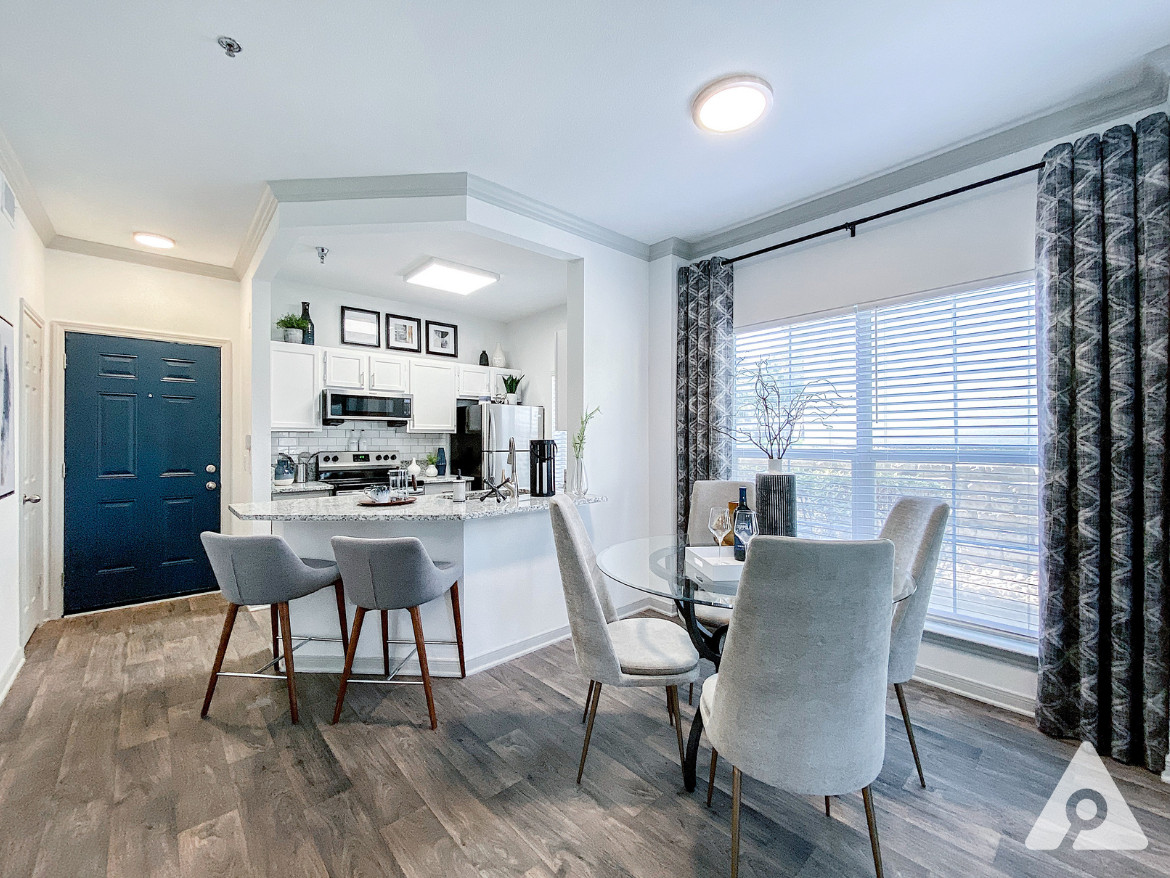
x=542, y=467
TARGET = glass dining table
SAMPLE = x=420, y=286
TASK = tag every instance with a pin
x=693, y=580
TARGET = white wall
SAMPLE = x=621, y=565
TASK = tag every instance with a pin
x=476, y=334
x=530, y=345
x=22, y=276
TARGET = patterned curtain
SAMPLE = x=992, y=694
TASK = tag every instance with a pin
x=1103, y=293
x=705, y=386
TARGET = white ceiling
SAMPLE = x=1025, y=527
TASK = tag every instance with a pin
x=373, y=264
x=127, y=116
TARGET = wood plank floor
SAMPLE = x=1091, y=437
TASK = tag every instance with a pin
x=106, y=769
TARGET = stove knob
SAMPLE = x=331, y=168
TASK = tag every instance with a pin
x=379, y=457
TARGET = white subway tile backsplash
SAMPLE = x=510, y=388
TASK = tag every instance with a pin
x=408, y=445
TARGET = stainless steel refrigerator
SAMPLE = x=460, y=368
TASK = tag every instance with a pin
x=479, y=447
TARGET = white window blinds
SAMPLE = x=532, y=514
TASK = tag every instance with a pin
x=937, y=398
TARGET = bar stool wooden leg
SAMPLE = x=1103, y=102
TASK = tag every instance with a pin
x=682, y=752
x=457, y=613
x=225, y=635
x=286, y=637
x=416, y=621
x=339, y=591
x=588, y=700
x=275, y=636
x=358, y=616
x=386, y=642
x=711, y=776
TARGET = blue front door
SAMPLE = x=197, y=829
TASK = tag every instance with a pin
x=142, y=468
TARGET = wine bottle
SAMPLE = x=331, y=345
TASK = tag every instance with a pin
x=308, y=339
x=742, y=517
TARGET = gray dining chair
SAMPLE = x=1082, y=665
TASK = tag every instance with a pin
x=263, y=569
x=799, y=702
x=611, y=651
x=395, y=574
x=916, y=526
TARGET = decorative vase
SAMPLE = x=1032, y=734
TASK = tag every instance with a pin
x=414, y=469
x=442, y=464
x=294, y=336
x=431, y=471
x=284, y=472
x=775, y=465
x=309, y=336
x=498, y=358
x=483, y=359
x=776, y=503
x=580, y=487
x=511, y=398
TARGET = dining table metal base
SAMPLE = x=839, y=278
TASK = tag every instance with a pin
x=691, y=762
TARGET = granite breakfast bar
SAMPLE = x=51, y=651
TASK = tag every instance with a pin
x=511, y=591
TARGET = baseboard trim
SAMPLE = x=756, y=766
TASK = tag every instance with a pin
x=8, y=677
x=449, y=666
x=993, y=695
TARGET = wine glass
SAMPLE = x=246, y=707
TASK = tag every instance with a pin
x=745, y=526
x=719, y=523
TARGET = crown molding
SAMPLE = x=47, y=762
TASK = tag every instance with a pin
x=672, y=247
x=356, y=188
x=1148, y=88
x=261, y=218
x=26, y=196
x=154, y=260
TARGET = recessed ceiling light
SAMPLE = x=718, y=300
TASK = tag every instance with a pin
x=731, y=103
x=150, y=239
x=450, y=277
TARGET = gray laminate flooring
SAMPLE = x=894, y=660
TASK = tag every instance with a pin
x=106, y=769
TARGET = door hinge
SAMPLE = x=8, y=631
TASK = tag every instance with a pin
x=62, y=470
x=65, y=361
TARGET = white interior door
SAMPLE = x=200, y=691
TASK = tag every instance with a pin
x=31, y=469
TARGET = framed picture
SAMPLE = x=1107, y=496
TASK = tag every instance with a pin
x=442, y=339
x=403, y=333
x=361, y=327
x=7, y=408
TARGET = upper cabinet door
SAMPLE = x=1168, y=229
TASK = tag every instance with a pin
x=432, y=386
x=345, y=370
x=474, y=381
x=389, y=375
x=296, y=387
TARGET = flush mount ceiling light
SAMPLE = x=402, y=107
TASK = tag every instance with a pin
x=150, y=239
x=731, y=103
x=450, y=277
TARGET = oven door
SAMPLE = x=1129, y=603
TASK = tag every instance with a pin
x=338, y=407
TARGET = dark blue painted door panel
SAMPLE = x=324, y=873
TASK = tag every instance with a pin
x=141, y=429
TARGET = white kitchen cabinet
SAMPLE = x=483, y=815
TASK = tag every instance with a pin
x=345, y=370
x=389, y=374
x=432, y=386
x=296, y=387
x=474, y=381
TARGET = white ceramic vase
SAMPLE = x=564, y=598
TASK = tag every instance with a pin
x=432, y=471
x=498, y=358
x=775, y=466
x=294, y=336
x=511, y=398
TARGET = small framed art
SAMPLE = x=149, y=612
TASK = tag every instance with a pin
x=403, y=333
x=442, y=339
x=361, y=327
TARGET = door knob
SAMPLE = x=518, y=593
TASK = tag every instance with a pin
x=211, y=486
x=32, y=498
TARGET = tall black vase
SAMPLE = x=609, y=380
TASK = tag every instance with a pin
x=310, y=336
x=776, y=503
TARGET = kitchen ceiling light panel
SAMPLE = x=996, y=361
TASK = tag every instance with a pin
x=150, y=239
x=731, y=103
x=450, y=277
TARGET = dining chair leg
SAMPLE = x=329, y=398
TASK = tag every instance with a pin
x=339, y=594
x=386, y=643
x=588, y=699
x=416, y=621
x=669, y=707
x=691, y=695
x=711, y=776
x=867, y=798
x=286, y=639
x=457, y=613
x=735, y=785
x=358, y=617
x=910, y=732
x=828, y=806
x=596, y=691
x=224, y=636
x=672, y=694
x=275, y=635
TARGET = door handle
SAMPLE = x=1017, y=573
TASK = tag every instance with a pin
x=211, y=486
x=32, y=498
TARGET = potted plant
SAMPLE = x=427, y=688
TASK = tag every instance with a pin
x=772, y=417
x=580, y=476
x=432, y=469
x=294, y=326
x=511, y=385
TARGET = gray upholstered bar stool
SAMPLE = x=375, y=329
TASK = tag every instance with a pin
x=264, y=569
x=395, y=574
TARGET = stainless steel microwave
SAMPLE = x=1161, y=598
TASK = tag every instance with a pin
x=337, y=406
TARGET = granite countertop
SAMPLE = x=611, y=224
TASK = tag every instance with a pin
x=346, y=508
x=301, y=487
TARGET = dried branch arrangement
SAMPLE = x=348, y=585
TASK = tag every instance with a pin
x=779, y=409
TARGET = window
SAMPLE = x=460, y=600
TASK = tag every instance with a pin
x=936, y=397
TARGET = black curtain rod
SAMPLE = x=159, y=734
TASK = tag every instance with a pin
x=851, y=226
